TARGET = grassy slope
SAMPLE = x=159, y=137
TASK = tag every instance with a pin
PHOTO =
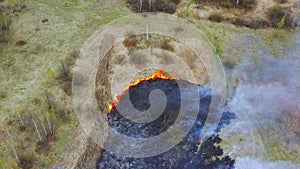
x=25, y=75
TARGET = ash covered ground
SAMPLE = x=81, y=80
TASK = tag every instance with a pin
x=184, y=155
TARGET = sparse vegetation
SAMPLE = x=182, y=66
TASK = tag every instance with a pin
x=136, y=42
x=5, y=21
x=246, y=4
x=239, y=21
x=215, y=17
x=280, y=17
x=44, y=146
x=57, y=111
x=7, y=12
x=243, y=4
x=45, y=137
x=258, y=24
x=282, y=1
x=294, y=113
x=167, y=6
x=275, y=14
x=130, y=42
x=27, y=160
x=277, y=17
x=165, y=44
x=64, y=75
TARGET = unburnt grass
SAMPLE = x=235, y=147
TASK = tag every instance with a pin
x=64, y=73
x=166, y=6
x=44, y=146
x=7, y=13
x=137, y=42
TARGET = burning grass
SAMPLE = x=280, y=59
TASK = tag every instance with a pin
x=157, y=75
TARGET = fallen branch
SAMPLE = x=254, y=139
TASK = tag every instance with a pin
x=14, y=151
x=37, y=130
x=21, y=121
x=9, y=135
x=49, y=125
x=44, y=128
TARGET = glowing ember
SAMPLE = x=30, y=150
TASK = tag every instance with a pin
x=157, y=75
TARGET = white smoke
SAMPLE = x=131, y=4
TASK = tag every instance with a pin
x=251, y=163
x=267, y=89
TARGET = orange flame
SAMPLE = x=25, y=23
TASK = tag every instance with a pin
x=157, y=75
x=111, y=106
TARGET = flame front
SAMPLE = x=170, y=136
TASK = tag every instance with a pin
x=157, y=75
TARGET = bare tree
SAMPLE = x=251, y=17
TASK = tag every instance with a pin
x=19, y=4
x=9, y=135
x=141, y=5
x=147, y=32
x=53, y=125
x=150, y=3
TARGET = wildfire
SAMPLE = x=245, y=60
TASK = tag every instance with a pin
x=111, y=106
x=157, y=75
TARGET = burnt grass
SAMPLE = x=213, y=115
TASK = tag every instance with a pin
x=209, y=156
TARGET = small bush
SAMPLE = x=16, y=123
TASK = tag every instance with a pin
x=281, y=1
x=228, y=4
x=239, y=21
x=130, y=42
x=65, y=74
x=244, y=4
x=258, y=23
x=21, y=43
x=6, y=14
x=5, y=18
x=165, y=6
x=289, y=20
x=44, y=146
x=45, y=20
x=247, y=4
x=165, y=44
x=215, y=17
x=275, y=14
x=27, y=161
x=56, y=109
x=280, y=17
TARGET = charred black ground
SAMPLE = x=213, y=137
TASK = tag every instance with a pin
x=184, y=154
